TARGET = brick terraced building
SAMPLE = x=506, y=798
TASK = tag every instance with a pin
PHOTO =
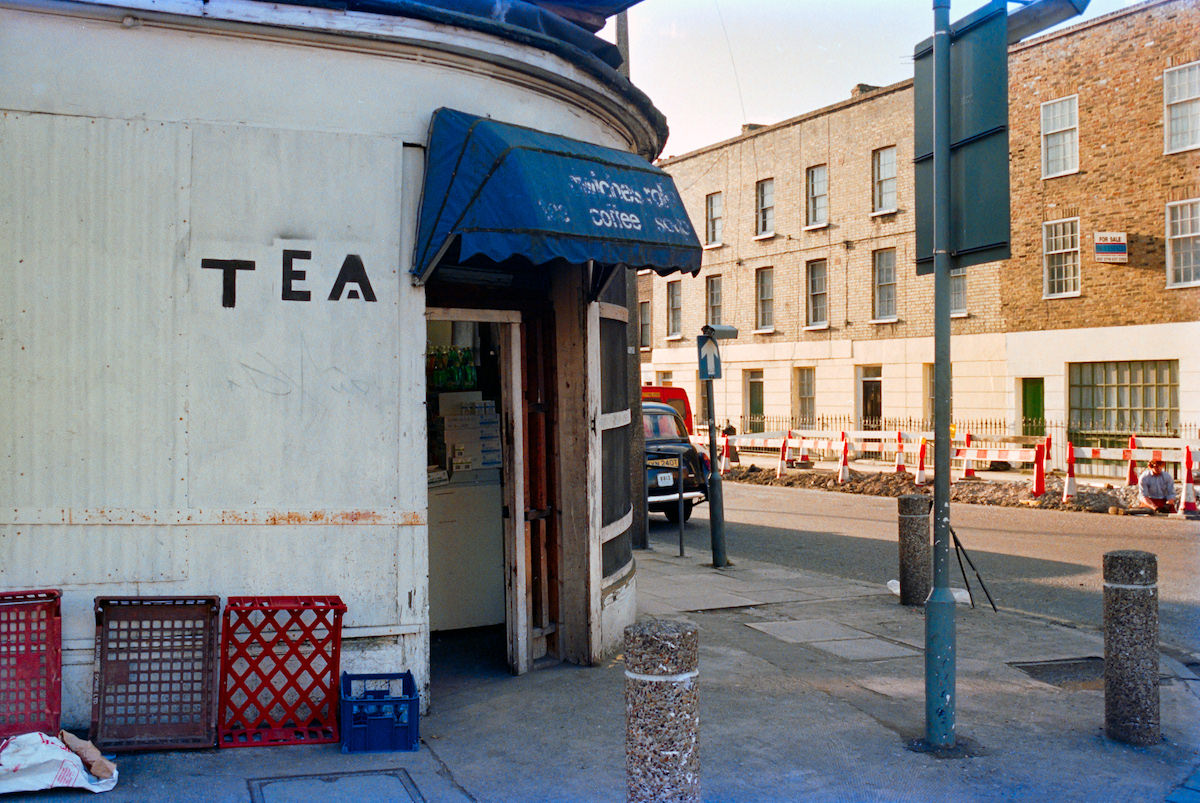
x=809, y=250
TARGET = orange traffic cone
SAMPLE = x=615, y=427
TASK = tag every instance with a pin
x=1189, y=489
x=968, y=466
x=900, y=453
x=843, y=474
x=724, y=463
x=1069, y=484
x=1039, y=471
x=920, y=478
x=779, y=469
x=1132, y=479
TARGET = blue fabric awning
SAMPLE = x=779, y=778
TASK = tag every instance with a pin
x=498, y=190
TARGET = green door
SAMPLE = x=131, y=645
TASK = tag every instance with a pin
x=754, y=390
x=1033, y=406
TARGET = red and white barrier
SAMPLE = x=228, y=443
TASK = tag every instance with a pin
x=1069, y=488
x=920, y=478
x=968, y=466
x=1037, y=456
x=1188, y=497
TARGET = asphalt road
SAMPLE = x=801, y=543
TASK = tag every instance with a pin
x=1043, y=562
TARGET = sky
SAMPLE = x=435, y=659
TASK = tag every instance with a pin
x=712, y=65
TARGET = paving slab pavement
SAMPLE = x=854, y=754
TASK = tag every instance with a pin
x=811, y=689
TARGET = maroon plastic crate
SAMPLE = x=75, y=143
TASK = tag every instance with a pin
x=30, y=661
x=279, y=670
x=156, y=660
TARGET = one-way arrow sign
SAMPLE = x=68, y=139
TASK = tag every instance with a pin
x=710, y=358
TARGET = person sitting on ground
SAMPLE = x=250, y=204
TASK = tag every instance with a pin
x=1156, y=489
x=729, y=430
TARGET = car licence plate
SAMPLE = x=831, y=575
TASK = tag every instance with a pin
x=663, y=462
x=665, y=480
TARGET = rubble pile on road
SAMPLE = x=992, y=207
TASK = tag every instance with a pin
x=974, y=491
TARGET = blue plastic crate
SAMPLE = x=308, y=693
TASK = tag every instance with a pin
x=379, y=712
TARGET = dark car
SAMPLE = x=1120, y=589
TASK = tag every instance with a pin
x=666, y=445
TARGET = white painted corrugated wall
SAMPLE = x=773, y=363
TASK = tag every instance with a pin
x=91, y=228
x=155, y=441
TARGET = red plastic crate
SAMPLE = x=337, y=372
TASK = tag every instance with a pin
x=279, y=670
x=30, y=661
x=156, y=660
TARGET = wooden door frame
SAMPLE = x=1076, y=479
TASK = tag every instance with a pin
x=516, y=619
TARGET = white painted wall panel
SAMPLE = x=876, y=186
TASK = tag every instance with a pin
x=52, y=557
x=285, y=395
x=90, y=340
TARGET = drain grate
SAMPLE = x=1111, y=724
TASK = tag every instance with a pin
x=393, y=786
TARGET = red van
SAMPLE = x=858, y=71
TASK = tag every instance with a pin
x=676, y=397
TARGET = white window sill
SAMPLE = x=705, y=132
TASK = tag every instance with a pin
x=817, y=327
x=713, y=246
x=770, y=235
x=1060, y=175
x=816, y=226
x=674, y=337
x=643, y=271
x=882, y=212
x=1182, y=285
x=1061, y=295
x=1184, y=149
x=770, y=330
x=893, y=319
x=960, y=315
x=647, y=348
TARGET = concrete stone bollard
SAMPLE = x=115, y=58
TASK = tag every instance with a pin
x=662, y=712
x=1131, y=712
x=916, y=561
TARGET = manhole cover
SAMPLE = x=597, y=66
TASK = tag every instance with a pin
x=386, y=786
x=1070, y=673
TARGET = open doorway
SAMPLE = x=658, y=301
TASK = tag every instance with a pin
x=493, y=576
x=871, y=412
x=464, y=405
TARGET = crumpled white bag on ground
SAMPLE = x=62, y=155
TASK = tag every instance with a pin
x=34, y=761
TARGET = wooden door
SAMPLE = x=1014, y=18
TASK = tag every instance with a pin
x=540, y=519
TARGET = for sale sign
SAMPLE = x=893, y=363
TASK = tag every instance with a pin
x=1111, y=246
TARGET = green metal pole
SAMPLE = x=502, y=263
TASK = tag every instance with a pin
x=716, y=505
x=939, y=609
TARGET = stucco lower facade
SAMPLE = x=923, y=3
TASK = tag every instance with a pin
x=979, y=366
x=1049, y=355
